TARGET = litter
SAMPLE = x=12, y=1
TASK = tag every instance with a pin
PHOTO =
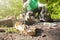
x=31, y=31
x=24, y=30
x=20, y=27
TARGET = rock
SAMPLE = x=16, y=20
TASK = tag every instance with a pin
x=31, y=31
x=8, y=21
x=3, y=29
x=24, y=30
x=49, y=25
x=21, y=27
x=21, y=16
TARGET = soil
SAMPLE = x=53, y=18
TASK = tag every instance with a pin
x=44, y=33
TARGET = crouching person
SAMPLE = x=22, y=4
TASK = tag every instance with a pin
x=33, y=6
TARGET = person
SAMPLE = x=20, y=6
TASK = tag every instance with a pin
x=33, y=6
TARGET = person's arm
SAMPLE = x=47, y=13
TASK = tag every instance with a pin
x=26, y=3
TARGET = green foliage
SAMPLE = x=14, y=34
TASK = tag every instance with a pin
x=53, y=8
x=10, y=7
x=11, y=30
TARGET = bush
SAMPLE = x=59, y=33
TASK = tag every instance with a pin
x=53, y=8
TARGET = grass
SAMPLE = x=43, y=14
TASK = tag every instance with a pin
x=9, y=29
x=55, y=16
x=12, y=30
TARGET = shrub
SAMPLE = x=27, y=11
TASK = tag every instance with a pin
x=53, y=8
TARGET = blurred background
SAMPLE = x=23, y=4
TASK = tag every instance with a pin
x=14, y=7
x=10, y=7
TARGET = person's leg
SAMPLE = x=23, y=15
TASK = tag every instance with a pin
x=29, y=18
x=43, y=12
x=28, y=15
x=39, y=10
x=34, y=12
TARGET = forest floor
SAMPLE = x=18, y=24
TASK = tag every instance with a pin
x=45, y=33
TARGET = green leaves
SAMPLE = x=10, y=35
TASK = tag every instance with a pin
x=53, y=8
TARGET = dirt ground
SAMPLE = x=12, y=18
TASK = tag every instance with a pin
x=44, y=33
